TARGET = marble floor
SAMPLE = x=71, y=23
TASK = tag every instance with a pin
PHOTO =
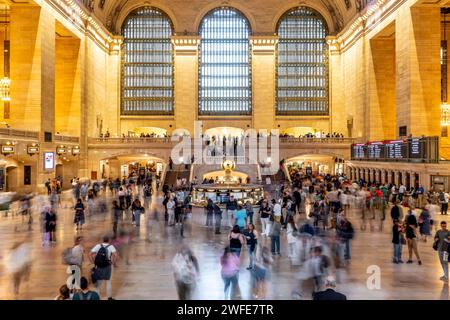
x=149, y=274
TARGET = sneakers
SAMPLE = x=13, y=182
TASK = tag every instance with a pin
x=443, y=278
x=249, y=268
x=400, y=261
x=409, y=261
x=419, y=262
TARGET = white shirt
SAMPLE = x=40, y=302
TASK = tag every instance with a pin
x=110, y=249
x=402, y=189
x=277, y=209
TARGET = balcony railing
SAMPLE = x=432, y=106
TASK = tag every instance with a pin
x=61, y=138
x=168, y=140
x=13, y=133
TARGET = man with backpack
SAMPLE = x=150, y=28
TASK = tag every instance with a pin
x=103, y=255
x=85, y=293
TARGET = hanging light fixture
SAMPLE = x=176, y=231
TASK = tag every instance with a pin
x=5, y=82
x=445, y=115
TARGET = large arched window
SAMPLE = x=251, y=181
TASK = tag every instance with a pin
x=302, y=66
x=224, y=64
x=147, y=63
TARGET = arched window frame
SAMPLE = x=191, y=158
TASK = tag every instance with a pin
x=224, y=104
x=303, y=106
x=157, y=91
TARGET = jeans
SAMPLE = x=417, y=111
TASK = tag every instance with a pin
x=230, y=281
x=444, y=264
x=397, y=252
x=444, y=208
x=347, y=249
x=264, y=222
x=250, y=217
x=218, y=221
x=108, y=287
x=251, y=256
x=171, y=214
x=230, y=214
x=276, y=244
x=209, y=219
x=236, y=251
x=137, y=218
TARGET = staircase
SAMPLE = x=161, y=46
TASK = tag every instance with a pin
x=172, y=175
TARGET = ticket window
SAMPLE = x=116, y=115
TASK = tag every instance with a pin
x=440, y=183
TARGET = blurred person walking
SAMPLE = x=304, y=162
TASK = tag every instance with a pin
x=275, y=236
x=186, y=270
x=18, y=264
x=230, y=273
x=79, y=214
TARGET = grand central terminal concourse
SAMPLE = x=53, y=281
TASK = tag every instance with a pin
x=224, y=150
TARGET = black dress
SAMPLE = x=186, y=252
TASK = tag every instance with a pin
x=50, y=222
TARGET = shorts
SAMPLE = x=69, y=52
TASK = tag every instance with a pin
x=103, y=273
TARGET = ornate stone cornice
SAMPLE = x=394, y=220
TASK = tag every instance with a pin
x=264, y=44
x=369, y=18
x=185, y=44
x=81, y=18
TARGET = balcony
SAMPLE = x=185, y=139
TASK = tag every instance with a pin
x=7, y=133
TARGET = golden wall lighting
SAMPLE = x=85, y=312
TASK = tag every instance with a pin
x=5, y=84
x=8, y=148
x=76, y=150
x=32, y=149
x=60, y=150
x=445, y=115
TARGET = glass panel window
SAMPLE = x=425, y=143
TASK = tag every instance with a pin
x=224, y=64
x=302, y=64
x=147, y=64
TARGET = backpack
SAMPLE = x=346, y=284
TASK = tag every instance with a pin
x=68, y=258
x=102, y=259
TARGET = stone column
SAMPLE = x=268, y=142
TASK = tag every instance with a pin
x=33, y=77
x=404, y=178
x=396, y=178
x=383, y=176
x=186, y=81
x=418, y=40
x=263, y=77
x=412, y=179
x=377, y=176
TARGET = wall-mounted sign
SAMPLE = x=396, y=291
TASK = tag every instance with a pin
x=32, y=149
x=8, y=149
x=76, y=151
x=49, y=160
x=60, y=150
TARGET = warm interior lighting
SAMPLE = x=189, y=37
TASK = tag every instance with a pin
x=5, y=84
x=445, y=115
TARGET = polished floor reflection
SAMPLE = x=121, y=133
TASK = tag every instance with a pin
x=149, y=274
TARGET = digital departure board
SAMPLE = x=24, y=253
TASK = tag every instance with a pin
x=359, y=151
x=416, y=150
x=375, y=150
x=396, y=149
x=424, y=149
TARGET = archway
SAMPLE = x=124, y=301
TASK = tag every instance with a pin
x=218, y=176
x=315, y=164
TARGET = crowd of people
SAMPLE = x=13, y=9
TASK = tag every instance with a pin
x=309, y=220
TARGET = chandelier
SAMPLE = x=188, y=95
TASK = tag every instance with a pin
x=5, y=84
x=445, y=115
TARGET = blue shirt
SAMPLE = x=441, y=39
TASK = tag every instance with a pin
x=241, y=217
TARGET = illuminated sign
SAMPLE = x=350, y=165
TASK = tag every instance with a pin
x=8, y=149
x=49, y=160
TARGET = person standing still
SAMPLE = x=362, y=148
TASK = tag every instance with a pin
x=441, y=240
x=231, y=210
